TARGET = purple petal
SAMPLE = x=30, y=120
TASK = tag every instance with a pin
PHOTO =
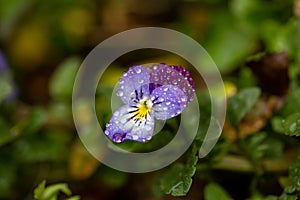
x=162, y=74
x=185, y=73
x=132, y=82
x=124, y=126
x=168, y=101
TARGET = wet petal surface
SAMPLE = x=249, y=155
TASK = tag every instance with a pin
x=162, y=74
x=131, y=82
x=168, y=101
x=127, y=124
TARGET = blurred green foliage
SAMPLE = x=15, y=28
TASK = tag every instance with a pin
x=45, y=42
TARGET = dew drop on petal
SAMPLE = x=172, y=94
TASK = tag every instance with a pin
x=166, y=89
x=106, y=132
x=148, y=128
x=148, y=137
x=118, y=138
x=138, y=70
x=117, y=113
x=168, y=103
x=135, y=137
x=120, y=93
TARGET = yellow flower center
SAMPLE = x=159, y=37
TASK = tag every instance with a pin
x=143, y=109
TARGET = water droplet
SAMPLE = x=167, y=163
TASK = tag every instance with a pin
x=168, y=103
x=165, y=108
x=148, y=137
x=141, y=81
x=183, y=99
x=155, y=67
x=106, y=132
x=120, y=93
x=290, y=189
x=121, y=81
x=118, y=138
x=138, y=70
x=293, y=127
x=166, y=89
x=148, y=128
x=135, y=137
x=125, y=74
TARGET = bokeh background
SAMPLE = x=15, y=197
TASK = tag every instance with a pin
x=255, y=43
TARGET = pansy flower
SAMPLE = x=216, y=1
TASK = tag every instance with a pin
x=158, y=92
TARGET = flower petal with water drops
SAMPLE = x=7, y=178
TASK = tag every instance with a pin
x=162, y=74
x=131, y=82
x=168, y=101
x=143, y=129
x=127, y=123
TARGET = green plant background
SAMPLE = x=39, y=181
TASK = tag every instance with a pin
x=256, y=46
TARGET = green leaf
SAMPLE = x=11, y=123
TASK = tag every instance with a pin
x=256, y=146
x=291, y=124
x=178, y=179
x=276, y=123
x=292, y=103
x=288, y=197
x=38, y=192
x=5, y=89
x=240, y=104
x=53, y=190
x=288, y=126
x=62, y=81
x=215, y=192
x=74, y=198
x=175, y=181
x=293, y=186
